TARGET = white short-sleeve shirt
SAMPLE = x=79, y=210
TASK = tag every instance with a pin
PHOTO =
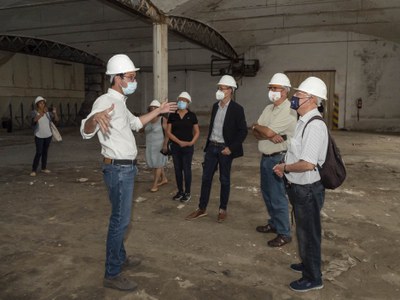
x=312, y=147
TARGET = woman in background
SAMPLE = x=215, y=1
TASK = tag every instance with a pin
x=41, y=119
x=156, y=141
x=183, y=130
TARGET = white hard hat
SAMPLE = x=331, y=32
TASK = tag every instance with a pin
x=314, y=86
x=185, y=95
x=119, y=64
x=155, y=103
x=228, y=81
x=39, y=98
x=280, y=79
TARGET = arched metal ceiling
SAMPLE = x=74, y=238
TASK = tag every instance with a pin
x=40, y=47
x=250, y=23
x=189, y=28
x=99, y=28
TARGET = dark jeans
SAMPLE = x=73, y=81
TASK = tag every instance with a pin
x=119, y=180
x=42, y=148
x=307, y=201
x=182, y=158
x=212, y=159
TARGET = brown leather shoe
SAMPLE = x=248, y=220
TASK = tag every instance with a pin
x=266, y=229
x=221, y=216
x=279, y=241
x=198, y=213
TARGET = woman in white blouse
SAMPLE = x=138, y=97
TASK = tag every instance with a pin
x=41, y=119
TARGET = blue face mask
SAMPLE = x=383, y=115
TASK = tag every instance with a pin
x=295, y=103
x=130, y=89
x=182, y=105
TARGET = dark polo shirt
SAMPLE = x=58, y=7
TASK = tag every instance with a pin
x=183, y=128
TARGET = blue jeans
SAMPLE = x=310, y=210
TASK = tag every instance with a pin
x=212, y=159
x=274, y=195
x=182, y=158
x=42, y=148
x=307, y=201
x=119, y=180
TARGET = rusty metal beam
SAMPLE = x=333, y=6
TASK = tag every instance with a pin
x=193, y=30
x=45, y=48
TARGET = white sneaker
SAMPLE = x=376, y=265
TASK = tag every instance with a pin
x=47, y=171
x=33, y=174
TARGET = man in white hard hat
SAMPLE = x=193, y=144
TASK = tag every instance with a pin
x=227, y=132
x=273, y=130
x=113, y=123
x=306, y=193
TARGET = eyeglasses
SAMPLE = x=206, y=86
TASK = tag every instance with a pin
x=222, y=88
x=302, y=95
x=130, y=78
x=274, y=88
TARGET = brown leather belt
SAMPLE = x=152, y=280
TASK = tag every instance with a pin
x=273, y=154
x=109, y=161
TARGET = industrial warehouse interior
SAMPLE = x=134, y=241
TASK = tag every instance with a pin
x=53, y=226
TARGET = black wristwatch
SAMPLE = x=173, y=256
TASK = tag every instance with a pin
x=284, y=170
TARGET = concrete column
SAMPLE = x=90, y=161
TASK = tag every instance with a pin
x=160, y=61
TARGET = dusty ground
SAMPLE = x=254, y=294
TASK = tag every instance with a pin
x=53, y=229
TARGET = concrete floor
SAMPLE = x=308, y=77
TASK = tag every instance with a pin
x=53, y=228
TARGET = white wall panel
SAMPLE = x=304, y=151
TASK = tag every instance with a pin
x=365, y=68
x=47, y=73
x=24, y=77
x=20, y=70
x=34, y=72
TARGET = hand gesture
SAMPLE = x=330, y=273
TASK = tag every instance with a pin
x=103, y=119
x=168, y=107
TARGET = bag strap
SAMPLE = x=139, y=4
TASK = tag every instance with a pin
x=162, y=127
x=48, y=116
x=312, y=119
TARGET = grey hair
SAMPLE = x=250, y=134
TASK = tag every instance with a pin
x=319, y=100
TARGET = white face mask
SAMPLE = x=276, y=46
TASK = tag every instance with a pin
x=130, y=89
x=219, y=95
x=274, y=96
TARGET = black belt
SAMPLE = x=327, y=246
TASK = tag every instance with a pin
x=217, y=144
x=109, y=161
x=273, y=154
x=289, y=184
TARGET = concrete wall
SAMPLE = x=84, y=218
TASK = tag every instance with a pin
x=23, y=77
x=366, y=68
